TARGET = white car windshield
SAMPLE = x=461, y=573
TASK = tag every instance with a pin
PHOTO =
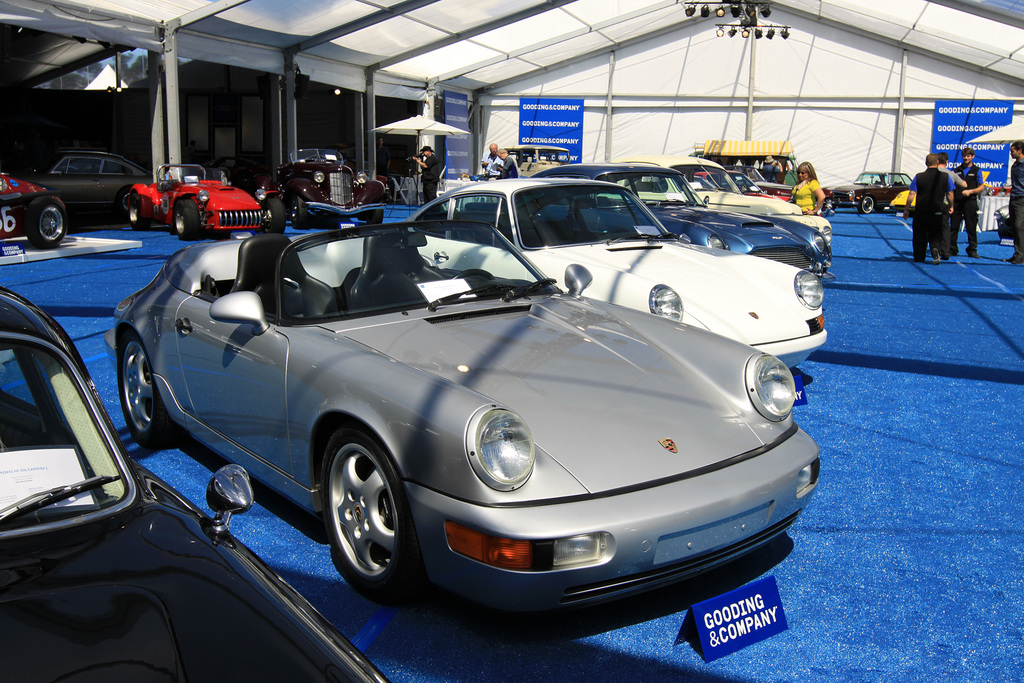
x=560, y=215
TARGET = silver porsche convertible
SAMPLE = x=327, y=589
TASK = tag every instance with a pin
x=457, y=419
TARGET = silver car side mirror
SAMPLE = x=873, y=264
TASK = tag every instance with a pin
x=577, y=278
x=228, y=492
x=240, y=308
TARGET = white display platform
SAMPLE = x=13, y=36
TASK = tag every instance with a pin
x=72, y=245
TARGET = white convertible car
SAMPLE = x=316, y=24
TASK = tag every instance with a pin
x=635, y=262
x=715, y=186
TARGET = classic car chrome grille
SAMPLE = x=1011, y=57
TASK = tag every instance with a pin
x=341, y=188
x=793, y=256
x=240, y=218
x=674, y=572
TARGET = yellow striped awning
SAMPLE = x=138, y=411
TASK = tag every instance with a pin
x=747, y=148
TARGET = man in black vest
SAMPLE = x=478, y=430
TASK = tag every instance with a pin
x=1017, y=202
x=931, y=192
x=965, y=206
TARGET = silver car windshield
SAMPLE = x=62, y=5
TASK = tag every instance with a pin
x=655, y=187
x=54, y=461
x=401, y=266
x=560, y=215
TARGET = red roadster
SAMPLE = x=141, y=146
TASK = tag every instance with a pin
x=194, y=200
x=33, y=211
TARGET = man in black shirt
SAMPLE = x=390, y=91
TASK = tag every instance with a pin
x=965, y=205
x=933, y=191
x=430, y=173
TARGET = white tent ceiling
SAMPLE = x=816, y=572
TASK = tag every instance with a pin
x=477, y=45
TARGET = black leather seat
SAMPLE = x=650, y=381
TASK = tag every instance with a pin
x=391, y=269
x=304, y=295
x=257, y=267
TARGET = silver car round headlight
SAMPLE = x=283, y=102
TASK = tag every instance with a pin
x=261, y=194
x=664, y=301
x=362, y=177
x=500, y=448
x=716, y=242
x=204, y=195
x=318, y=177
x=770, y=386
x=809, y=289
x=819, y=242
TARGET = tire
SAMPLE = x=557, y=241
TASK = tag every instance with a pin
x=141, y=404
x=375, y=216
x=135, y=217
x=371, y=531
x=273, y=215
x=186, y=220
x=297, y=211
x=46, y=222
x=121, y=202
x=866, y=204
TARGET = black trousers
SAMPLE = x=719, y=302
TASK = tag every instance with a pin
x=965, y=212
x=1017, y=226
x=927, y=234
x=429, y=190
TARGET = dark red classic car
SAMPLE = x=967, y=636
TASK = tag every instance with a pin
x=194, y=200
x=318, y=187
x=872, y=190
x=28, y=210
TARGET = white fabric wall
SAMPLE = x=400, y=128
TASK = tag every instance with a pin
x=832, y=92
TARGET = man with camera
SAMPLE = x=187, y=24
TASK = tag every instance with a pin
x=429, y=172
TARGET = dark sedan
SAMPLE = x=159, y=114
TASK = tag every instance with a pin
x=91, y=180
x=106, y=572
x=667, y=193
x=873, y=190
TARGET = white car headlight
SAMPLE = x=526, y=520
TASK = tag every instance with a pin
x=770, y=386
x=362, y=177
x=819, y=242
x=501, y=448
x=716, y=242
x=204, y=196
x=318, y=177
x=261, y=194
x=809, y=289
x=664, y=301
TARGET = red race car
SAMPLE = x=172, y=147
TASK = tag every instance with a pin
x=33, y=211
x=194, y=200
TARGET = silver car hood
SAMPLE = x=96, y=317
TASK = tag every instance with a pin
x=598, y=397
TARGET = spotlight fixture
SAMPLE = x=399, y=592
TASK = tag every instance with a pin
x=720, y=32
x=736, y=9
x=770, y=34
x=758, y=33
x=766, y=11
x=689, y=10
x=784, y=32
x=720, y=12
x=705, y=11
x=732, y=32
x=745, y=33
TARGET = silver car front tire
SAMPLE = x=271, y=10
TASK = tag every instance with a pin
x=373, y=539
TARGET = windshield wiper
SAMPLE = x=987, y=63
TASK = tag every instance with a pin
x=646, y=238
x=44, y=499
x=493, y=288
x=524, y=290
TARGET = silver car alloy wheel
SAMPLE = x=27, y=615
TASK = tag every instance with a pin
x=51, y=223
x=138, y=385
x=362, y=510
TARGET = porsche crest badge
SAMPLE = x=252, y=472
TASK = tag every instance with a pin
x=669, y=445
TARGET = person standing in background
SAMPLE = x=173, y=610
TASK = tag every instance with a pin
x=965, y=205
x=930, y=191
x=1017, y=202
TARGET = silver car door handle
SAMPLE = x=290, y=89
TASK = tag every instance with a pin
x=183, y=325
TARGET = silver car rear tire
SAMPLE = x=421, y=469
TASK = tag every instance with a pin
x=373, y=538
x=141, y=404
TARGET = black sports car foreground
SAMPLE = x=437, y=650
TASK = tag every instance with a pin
x=106, y=572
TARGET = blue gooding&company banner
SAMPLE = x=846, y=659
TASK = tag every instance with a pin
x=739, y=618
x=559, y=123
x=457, y=152
x=957, y=122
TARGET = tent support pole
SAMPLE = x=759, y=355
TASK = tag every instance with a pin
x=897, y=139
x=608, y=108
x=157, y=146
x=750, y=90
x=172, y=94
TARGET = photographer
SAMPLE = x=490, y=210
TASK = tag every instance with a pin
x=429, y=172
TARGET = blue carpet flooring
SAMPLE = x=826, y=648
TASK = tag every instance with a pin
x=908, y=565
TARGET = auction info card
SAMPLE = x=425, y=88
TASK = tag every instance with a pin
x=739, y=618
x=32, y=470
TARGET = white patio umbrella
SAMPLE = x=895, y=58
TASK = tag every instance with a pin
x=1004, y=135
x=420, y=125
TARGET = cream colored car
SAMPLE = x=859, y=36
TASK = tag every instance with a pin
x=718, y=190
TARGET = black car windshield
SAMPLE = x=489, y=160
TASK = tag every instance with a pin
x=54, y=461
x=707, y=177
x=561, y=215
x=398, y=266
x=655, y=187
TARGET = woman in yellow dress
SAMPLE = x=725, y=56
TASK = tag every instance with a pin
x=807, y=192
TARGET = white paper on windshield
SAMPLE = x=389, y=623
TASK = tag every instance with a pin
x=647, y=230
x=28, y=471
x=435, y=290
x=674, y=197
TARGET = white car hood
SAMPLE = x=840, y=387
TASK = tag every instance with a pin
x=742, y=297
x=759, y=206
x=568, y=369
